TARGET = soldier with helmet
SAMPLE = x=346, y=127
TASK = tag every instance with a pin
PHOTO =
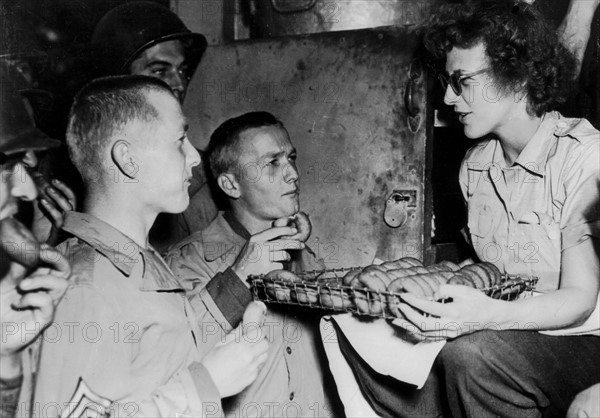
x=33, y=276
x=144, y=37
x=24, y=59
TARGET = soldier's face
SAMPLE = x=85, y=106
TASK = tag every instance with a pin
x=16, y=183
x=165, y=61
x=267, y=175
x=166, y=157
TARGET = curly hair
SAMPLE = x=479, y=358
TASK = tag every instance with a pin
x=522, y=50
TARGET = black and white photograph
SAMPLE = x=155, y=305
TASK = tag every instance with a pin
x=300, y=208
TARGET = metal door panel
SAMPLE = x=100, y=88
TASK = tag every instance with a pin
x=342, y=98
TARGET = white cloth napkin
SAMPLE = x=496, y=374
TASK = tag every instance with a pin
x=380, y=344
x=355, y=405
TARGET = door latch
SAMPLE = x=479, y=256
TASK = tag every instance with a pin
x=397, y=205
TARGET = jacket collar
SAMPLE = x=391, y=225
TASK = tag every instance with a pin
x=225, y=233
x=121, y=251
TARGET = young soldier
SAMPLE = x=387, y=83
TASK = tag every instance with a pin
x=146, y=38
x=254, y=163
x=124, y=339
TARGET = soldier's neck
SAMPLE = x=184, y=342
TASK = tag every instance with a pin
x=124, y=218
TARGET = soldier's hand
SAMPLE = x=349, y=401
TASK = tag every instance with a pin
x=27, y=304
x=55, y=199
x=235, y=363
x=266, y=251
x=30, y=302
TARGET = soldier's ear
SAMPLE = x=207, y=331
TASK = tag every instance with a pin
x=229, y=185
x=123, y=159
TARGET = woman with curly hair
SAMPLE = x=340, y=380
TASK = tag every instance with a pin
x=532, y=191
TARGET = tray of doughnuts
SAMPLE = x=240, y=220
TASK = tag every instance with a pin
x=376, y=289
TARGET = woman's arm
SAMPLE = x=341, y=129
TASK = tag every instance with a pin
x=573, y=302
x=471, y=310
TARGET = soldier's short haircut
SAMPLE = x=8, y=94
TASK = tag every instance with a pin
x=225, y=146
x=102, y=108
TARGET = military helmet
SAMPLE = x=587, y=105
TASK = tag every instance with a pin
x=17, y=129
x=127, y=30
x=17, y=39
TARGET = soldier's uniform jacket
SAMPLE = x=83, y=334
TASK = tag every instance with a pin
x=125, y=329
x=291, y=381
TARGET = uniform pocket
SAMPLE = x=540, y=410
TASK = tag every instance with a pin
x=543, y=224
x=480, y=221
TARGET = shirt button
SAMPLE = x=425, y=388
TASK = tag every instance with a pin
x=292, y=396
x=553, y=234
x=289, y=350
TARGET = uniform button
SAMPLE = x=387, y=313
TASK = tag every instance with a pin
x=292, y=396
x=553, y=234
x=289, y=350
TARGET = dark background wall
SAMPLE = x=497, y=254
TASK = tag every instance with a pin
x=61, y=29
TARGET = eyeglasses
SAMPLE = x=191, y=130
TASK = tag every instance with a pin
x=455, y=79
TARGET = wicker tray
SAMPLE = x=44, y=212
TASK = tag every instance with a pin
x=323, y=289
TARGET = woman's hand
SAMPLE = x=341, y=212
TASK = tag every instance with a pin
x=470, y=310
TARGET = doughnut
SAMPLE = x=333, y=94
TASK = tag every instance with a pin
x=347, y=279
x=495, y=274
x=388, y=265
x=335, y=298
x=477, y=274
x=428, y=283
x=299, y=221
x=393, y=265
x=304, y=294
x=405, y=262
x=274, y=287
x=413, y=286
x=461, y=279
x=414, y=262
x=433, y=280
x=408, y=271
x=434, y=268
x=373, y=280
x=379, y=272
x=398, y=273
x=298, y=293
x=449, y=264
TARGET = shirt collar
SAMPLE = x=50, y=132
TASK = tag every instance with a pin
x=572, y=127
x=491, y=151
x=237, y=227
x=534, y=156
x=121, y=251
x=227, y=233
